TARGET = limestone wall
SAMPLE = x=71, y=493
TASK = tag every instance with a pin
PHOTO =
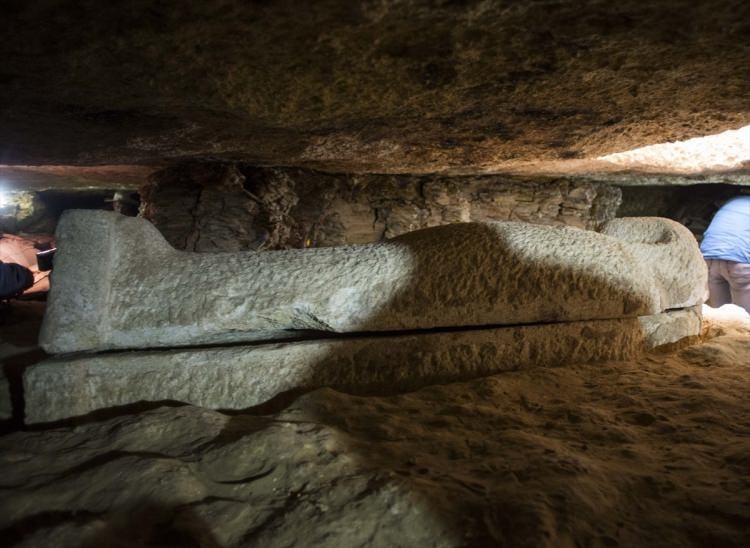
x=229, y=207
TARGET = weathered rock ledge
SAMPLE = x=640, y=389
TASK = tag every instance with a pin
x=367, y=86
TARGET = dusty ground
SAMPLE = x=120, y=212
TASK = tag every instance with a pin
x=648, y=453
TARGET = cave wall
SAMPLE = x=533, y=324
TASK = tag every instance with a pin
x=224, y=206
x=38, y=211
x=693, y=206
x=230, y=207
x=23, y=212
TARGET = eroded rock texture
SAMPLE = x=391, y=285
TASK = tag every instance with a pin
x=693, y=206
x=230, y=207
x=118, y=284
x=396, y=86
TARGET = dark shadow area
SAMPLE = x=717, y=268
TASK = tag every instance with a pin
x=20, y=321
x=144, y=523
x=22, y=528
x=57, y=201
x=13, y=369
x=692, y=205
x=105, y=414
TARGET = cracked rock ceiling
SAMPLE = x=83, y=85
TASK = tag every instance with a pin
x=388, y=86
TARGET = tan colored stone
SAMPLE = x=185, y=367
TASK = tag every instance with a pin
x=679, y=277
x=244, y=376
x=671, y=327
x=212, y=207
x=611, y=450
x=368, y=85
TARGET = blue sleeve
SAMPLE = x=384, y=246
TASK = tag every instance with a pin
x=728, y=235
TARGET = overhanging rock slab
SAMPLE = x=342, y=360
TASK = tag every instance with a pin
x=239, y=377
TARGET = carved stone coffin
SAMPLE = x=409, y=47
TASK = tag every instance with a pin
x=117, y=284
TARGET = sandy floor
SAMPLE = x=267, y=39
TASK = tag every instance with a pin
x=648, y=453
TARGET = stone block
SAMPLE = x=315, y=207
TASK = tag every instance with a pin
x=239, y=377
x=671, y=327
x=117, y=284
x=671, y=253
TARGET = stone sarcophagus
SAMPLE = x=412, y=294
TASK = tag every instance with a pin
x=434, y=305
x=117, y=284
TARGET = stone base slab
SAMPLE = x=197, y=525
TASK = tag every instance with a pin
x=239, y=377
x=671, y=327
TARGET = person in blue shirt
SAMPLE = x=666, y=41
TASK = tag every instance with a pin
x=726, y=248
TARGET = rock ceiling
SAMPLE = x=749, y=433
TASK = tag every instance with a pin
x=393, y=86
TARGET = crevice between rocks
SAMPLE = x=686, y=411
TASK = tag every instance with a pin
x=297, y=336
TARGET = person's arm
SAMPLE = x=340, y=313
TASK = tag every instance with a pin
x=14, y=280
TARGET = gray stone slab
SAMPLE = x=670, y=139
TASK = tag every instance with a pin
x=118, y=284
x=239, y=377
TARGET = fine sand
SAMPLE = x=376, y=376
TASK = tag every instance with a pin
x=653, y=452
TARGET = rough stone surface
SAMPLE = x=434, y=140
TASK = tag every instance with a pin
x=366, y=85
x=648, y=452
x=669, y=328
x=680, y=276
x=51, y=177
x=118, y=284
x=693, y=206
x=240, y=377
x=230, y=207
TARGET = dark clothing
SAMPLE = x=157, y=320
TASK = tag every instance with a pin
x=14, y=279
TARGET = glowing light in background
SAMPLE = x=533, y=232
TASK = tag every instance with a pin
x=729, y=319
x=722, y=152
x=4, y=198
